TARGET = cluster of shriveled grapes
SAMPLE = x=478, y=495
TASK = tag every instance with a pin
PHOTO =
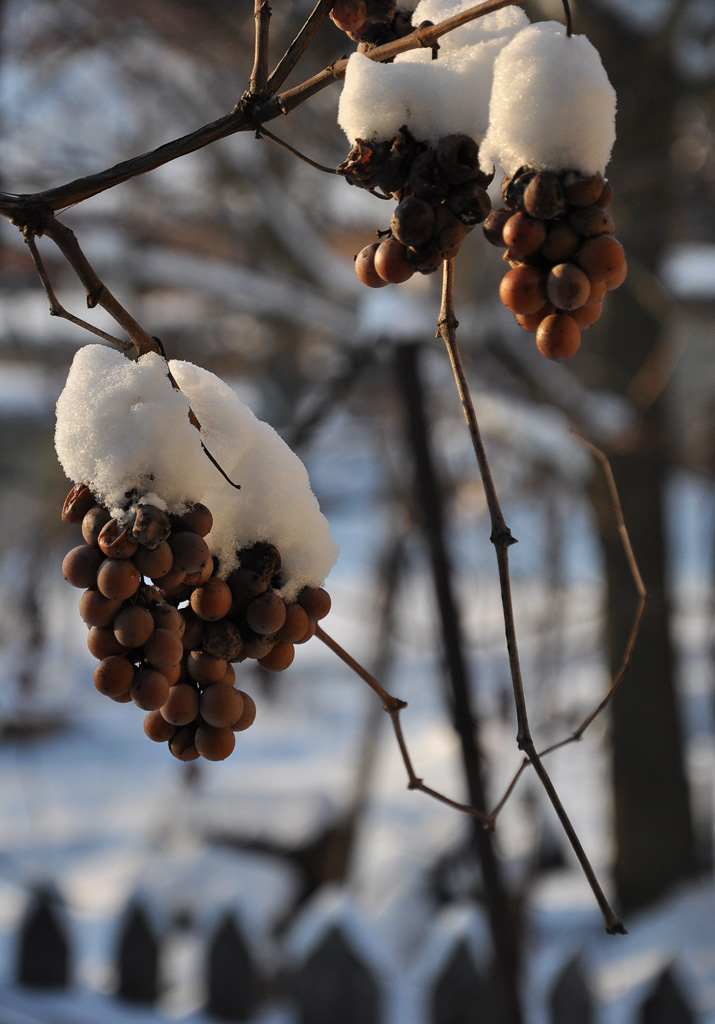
x=441, y=195
x=167, y=631
x=558, y=236
x=371, y=21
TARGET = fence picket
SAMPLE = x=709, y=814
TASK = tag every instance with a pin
x=460, y=994
x=571, y=998
x=234, y=985
x=335, y=984
x=43, y=951
x=137, y=957
x=667, y=1003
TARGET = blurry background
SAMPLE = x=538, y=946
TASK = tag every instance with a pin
x=239, y=258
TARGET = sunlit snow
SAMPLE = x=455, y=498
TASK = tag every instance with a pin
x=124, y=430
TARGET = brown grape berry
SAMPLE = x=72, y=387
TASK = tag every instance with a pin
x=114, y=676
x=523, y=234
x=212, y=600
x=118, y=578
x=93, y=522
x=558, y=336
x=523, y=289
x=567, y=286
x=365, y=267
x=315, y=601
x=182, y=704
x=150, y=689
x=115, y=541
x=191, y=552
x=601, y=257
x=215, y=744
x=413, y=221
x=81, y=564
x=197, y=518
x=279, y=658
x=182, y=744
x=77, y=503
x=391, y=261
x=96, y=609
x=163, y=649
x=266, y=613
x=248, y=715
x=133, y=626
x=157, y=728
x=220, y=705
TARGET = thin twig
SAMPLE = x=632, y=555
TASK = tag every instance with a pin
x=97, y=292
x=259, y=74
x=56, y=307
x=261, y=131
x=393, y=706
x=299, y=45
x=502, y=539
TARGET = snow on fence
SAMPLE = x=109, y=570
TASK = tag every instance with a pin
x=327, y=974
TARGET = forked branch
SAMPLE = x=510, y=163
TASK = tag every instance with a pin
x=393, y=706
x=502, y=539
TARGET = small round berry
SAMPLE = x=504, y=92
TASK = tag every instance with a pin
x=558, y=336
x=391, y=261
x=523, y=289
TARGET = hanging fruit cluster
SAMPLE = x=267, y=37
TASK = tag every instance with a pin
x=559, y=240
x=441, y=195
x=167, y=631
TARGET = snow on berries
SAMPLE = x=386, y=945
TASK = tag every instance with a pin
x=531, y=99
x=552, y=106
x=184, y=575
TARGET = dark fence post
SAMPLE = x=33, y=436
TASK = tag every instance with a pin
x=335, y=984
x=234, y=986
x=571, y=998
x=667, y=1003
x=43, y=953
x=460, y=994
x=137, y=957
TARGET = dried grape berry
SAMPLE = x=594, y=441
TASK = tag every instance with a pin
x=175, y=662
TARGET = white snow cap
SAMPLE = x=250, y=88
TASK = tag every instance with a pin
x=122, y=426
x=505, y=22
x=432, y=98
x=552, y=106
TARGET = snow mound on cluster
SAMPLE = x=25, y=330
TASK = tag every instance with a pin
x=123, y=429
x=505, y=22
x=432, y=98
x=552, y=106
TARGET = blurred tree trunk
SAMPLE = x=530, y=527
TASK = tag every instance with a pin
x=655, y=845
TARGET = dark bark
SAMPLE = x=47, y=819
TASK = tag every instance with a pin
x=500, y=909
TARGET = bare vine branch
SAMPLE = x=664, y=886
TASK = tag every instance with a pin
x=393, y=706
x=56, y=307
x=299, y=45
x=259, y=74
x=247, y=115
x=502, y=539
x=97, y=292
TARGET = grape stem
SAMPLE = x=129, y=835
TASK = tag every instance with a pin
x=502, y=540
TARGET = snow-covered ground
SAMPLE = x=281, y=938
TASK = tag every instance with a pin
x=103, y=813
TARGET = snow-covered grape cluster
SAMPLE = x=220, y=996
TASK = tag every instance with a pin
x=167, y=630
x=558, y=236
x=442, y=196
x=175, y=595
x=501, y=92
